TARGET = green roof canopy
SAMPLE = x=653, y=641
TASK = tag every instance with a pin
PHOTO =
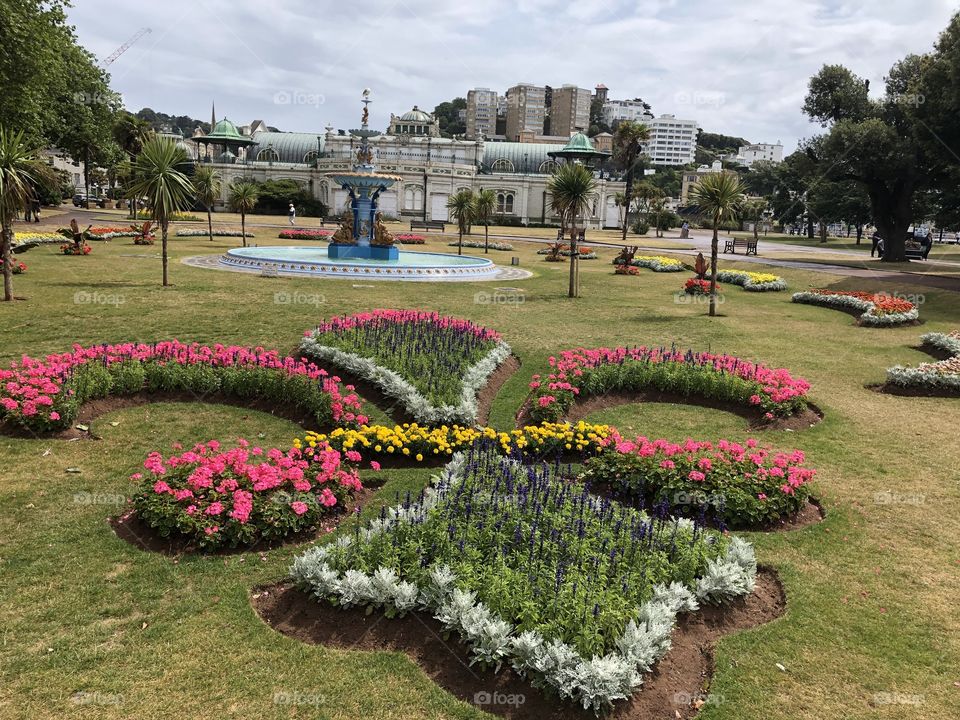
x=579, y=148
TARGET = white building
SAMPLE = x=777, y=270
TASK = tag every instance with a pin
x=766, y=152
x=672, y=141
x=616, y=110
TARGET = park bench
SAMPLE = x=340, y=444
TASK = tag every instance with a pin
x=917, y=250
x=748, y=244
x=427, y=225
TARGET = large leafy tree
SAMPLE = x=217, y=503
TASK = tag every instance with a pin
x=628, y=142
x=461, y=208
x=571, y=189
x=21, y=171
x=719, y=197
x=206, y=188
x=159, y=174
x=882, y=144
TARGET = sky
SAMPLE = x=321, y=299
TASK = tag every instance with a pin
x=738, y=67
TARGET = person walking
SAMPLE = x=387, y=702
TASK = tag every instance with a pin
x=292, y=214
x=35, y=206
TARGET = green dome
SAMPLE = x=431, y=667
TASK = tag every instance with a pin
x=225, y=129
x=580, y=143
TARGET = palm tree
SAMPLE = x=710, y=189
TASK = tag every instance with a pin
x=620, y=199
x=628, y=141
x=754, y=210
x=159, y=174
x=206, y=186
x=243, y=199
x=131, y=132
x=460, y=205
x=21, y=169
x=484, y=205
x=571, y=189
x=719, y=197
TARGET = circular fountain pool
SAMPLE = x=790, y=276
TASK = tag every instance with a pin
x=297, y=260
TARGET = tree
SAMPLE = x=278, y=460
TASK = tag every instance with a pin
x=844, y=201
x=484, y=206
x=718, y=196
x=21, y=170
x=206, y=188
x=762, y=179
x=571, y=189
x=754, y=210
x=628, y=144
x=243, y=199
x=460, y=205
x=447, y=115
x=159, y=174
x=883, y=145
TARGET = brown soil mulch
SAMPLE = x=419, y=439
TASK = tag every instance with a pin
x=914, y=391
x=671, y=690
x=596, y=403
x=131, y=529
x=809, y=514
x=488, y=393
x=93, y=409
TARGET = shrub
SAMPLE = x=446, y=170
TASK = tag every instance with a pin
x=241, y=496
x=640, y=227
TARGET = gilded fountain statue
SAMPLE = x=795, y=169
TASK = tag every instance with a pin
x=362, y=233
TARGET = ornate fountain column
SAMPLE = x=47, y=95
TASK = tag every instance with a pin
x=362, y=233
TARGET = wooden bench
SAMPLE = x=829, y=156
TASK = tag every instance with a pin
x=748, y=244
x=427, y=225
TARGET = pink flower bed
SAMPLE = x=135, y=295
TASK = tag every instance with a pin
x=409, y=239
x=384, y=319
x=217, y=497
x=46, y=394
x=774, y=391
x=306, y=234
x=740, y=485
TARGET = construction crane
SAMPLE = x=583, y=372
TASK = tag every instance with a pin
x=123, y=48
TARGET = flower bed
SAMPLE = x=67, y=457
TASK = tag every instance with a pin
x=217, y=232
x=878, y=310
x=657, y=263
x=108, y=233
x=933, y=376
x=46, y=394
x=432, y=364
x=19, y=267
x=421, y=444
x=36, y=238
x=306, y=234
x=409, y=239
x=738, y=485
x=721, y=377
x=215, y=497
x=71, y=249
x=626, y=270
x=575, y=594
x=479, y=244
x=583, y=252
x=752, y=281
x=699, y=286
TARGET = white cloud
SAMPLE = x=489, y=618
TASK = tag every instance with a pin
x=739, y=67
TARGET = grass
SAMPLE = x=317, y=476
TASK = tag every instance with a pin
x=871, y=591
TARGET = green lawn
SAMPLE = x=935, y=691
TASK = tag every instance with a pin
x=872, y=610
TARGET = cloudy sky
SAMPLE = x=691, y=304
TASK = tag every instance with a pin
x=738, y=67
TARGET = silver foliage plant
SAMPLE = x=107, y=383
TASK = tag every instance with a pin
x=394, y=386
x=866, y=307
x=595, y=682
x=937, y=375
x=736, y=277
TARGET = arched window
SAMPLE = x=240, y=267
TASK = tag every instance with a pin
x=413, y=198
x=505, y=203
x=268, y=154
x=548, y=166
x=310, y=157
x=502, y=165
x=508, y=205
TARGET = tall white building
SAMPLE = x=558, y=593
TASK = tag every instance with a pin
x=483, y=104
x=672, y=141
x=767, y=152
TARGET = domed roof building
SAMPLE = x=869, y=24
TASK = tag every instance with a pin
x=414, y=122
x=225, y=139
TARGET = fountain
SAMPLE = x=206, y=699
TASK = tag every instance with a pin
x=362, y=247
